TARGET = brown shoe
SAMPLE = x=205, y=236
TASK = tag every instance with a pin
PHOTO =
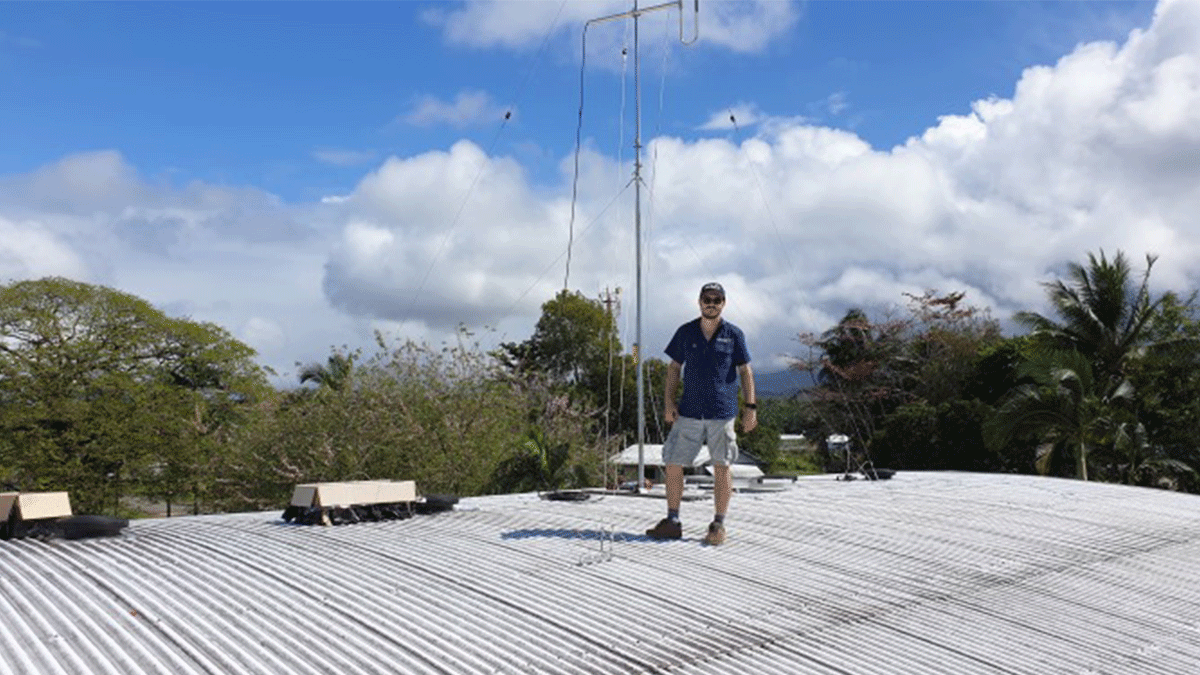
x=666, y=529
x=716, y=534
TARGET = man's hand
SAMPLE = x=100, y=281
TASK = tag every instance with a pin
x=749, y=419
x=670, y=412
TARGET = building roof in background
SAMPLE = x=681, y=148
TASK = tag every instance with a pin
x=925, y=573
x=652, y=456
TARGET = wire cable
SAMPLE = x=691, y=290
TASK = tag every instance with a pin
x=483, y=162
x=766, y=206
x=560, y=255
x=578, y=143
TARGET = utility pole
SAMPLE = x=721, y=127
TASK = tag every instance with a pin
x=636, y=14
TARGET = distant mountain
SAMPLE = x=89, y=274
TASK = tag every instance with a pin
x=780, y=383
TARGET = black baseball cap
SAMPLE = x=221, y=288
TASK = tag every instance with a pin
x=713, y=287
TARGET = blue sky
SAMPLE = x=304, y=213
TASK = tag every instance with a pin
x=247, y=93
x=353, y=160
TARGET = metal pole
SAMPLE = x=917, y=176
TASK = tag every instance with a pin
x=637, y=228
x=637, y=209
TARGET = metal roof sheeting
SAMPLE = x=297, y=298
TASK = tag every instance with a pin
x=927, y=573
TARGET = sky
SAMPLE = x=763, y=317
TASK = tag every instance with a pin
x=304, y=174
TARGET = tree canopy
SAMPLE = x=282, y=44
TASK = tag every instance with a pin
x=98, y=388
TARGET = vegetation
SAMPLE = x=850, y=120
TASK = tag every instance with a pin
x=105, y=396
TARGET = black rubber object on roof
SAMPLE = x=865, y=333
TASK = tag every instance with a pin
x=436, y=504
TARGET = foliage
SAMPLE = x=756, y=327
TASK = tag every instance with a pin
x=763, y=443
x=104, y=395
x=576, y=349
x=1104, y=317
x=573, y=343
x=451, y=419
x=996, y=367
x=1167, y=378
x=540, y=465
x=1064, y=409
x=949, y=436
x=866, y=370
x=1120, y=372
x=793, y=415
x=337, y=373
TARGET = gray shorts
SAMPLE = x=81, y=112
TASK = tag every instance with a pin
x=688, y=434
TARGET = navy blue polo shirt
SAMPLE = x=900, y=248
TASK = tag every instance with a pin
x=710, y=376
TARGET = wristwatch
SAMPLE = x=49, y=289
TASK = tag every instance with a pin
x=752, y=406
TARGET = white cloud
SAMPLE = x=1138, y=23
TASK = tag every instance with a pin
x=445, y=237
x=800, y=222
x=745, y=26
x=234, y=256
x=31, y=250
x=740, y=116
x=469, y=108
x=836, y=103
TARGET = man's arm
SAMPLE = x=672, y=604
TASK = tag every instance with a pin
x=670, y=409
x=750, y=415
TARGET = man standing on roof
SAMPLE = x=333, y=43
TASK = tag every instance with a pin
x=712, y=354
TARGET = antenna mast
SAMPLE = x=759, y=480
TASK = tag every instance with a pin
x=635, y=14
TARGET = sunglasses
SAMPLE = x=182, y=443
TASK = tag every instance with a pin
x=712, y=300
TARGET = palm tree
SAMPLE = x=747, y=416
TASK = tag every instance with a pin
x=1104, y=317
x=1062, y=408
x=1138, y=462
x=336, y=374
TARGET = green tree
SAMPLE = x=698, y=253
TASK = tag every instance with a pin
x=539, y=464
x=576, y=346
x=865, y=370
x=448, y=418
x=101, y=394
x=948, y=436
x=1063, y=410
x=860, y=372
x=574, y=342
x=763, y=443
x=337, y=373
x=1167, y=379
x=1103, y=315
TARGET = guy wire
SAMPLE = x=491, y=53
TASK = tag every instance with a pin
x=560, y=255
x=578, y=141
x=483, y=163
x=766, y=206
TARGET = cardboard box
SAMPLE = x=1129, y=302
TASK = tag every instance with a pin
x=354, y=492
x=38, y=505
x=7, y=501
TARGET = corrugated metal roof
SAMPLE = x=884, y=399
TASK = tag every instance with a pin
x=925, y=573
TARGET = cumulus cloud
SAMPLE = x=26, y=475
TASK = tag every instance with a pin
x=469, y=108
x=236, y=256
x=744, y=26
x=742, y=115
x=445, y=237
x=801, y=222
x=31, y=250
